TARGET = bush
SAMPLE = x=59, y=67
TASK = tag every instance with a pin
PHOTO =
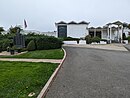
x=88, y=39
x=5, y=44
x=31, y=46
x=48, y=43
x=96, y=39
x=128, y=38
x=0, y=49
x=105, y=40
x=70, y=39
x=124, y=36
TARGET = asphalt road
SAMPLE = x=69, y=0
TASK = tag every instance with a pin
x=91, y=73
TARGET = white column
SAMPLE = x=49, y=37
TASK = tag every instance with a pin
x=121, y=34
x=95, y=32
x=102, y=34
x=110, y=34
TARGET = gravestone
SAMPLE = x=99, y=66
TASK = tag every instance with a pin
x=19, y=40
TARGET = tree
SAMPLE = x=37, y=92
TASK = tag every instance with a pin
x=129, y=26
x=13, y=30
x=1, y=29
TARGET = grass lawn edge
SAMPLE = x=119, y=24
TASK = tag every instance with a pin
x=44, y=91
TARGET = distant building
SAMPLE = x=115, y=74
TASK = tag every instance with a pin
x=112, y=32
x=72, y=29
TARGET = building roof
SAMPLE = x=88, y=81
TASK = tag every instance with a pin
x=72, y=22
x=117, y=23
x=83, y=22
x=91, y=28
x=61, y=22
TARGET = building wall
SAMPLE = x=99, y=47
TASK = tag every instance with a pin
x=77, y=30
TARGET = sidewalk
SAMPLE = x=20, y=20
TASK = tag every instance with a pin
x=116, y=47
x=32, y=60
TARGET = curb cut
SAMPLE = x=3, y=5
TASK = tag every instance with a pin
x=51, y=79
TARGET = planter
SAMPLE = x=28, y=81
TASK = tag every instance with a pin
x=12, y=52
x=19, y=50
x=125, y=41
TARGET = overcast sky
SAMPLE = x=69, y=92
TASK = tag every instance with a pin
x=41, y=15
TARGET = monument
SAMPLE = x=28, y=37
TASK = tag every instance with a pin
x=19, y=40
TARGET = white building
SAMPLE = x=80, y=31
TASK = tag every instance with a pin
x=72, y=29
x=112, y=32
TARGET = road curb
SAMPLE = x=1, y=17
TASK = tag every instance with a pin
x=127, y=48
x=52, y=78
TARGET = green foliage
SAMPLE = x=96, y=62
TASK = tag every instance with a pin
x=13, y=30
x=88, y=39
x=70, y=39
x=96, y=39
x=31, y=46
x=104, y=40
x=5, y=43
x=1, y=29
x=0, y=48
x=128, y=38
x=124, y=36
x=46, y=43
x=129, y=26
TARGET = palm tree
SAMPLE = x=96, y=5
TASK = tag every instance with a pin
x=1, y=29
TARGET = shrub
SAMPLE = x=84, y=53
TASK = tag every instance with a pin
x=88, y=39
x=31, y=46
x=70, y=39
x=124, y=36
x=0, y=49
x=96, y=39
x=6, y=43
x=48, y=43
x=128, y=38
x=105, y=40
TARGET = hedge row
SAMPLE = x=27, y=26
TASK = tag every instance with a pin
x=43, y=43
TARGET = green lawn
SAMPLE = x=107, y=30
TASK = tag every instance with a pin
x=18, y=79
x=41, y=54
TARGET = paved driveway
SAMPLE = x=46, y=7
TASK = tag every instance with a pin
x=91, y=73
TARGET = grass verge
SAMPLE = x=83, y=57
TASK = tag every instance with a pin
x=40, y=54
x=18, y=79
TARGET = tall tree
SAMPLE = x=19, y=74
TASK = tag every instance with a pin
x=1, y=29
x=13, y=30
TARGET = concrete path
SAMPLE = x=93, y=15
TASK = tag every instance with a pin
x=116, y=47
x=32, y=60
x=5, y=53
x=92, y=73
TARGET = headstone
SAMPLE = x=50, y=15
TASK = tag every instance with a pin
x=19, y=40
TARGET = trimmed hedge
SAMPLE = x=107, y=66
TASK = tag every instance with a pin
x=70, y=39
x=88, y=39
x=45, y=42
x=31, y=46
x=96, y=39
x=48, y=43
x=128, y=38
